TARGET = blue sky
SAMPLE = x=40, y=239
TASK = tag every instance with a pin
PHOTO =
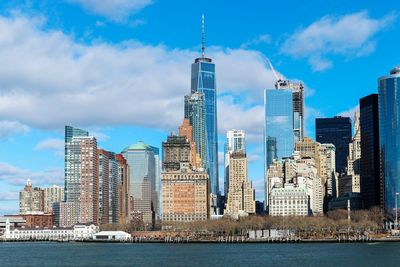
x=121, y=69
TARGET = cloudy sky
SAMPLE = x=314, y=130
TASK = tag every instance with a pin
x=120, y=68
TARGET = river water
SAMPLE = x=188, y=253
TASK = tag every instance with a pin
x=108, y=254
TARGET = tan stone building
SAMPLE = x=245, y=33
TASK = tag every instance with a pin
x=185, y=195
x=31, y=199
x=52, y=194
x=123, y=189
x=240, y=199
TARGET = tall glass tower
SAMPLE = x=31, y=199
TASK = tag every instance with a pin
x=203, y=81
x=389, y=135
x=278, y=127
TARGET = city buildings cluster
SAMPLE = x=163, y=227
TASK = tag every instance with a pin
x=303, y=177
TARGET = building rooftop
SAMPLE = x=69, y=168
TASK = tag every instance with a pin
x=395, y=70
x=138, y=146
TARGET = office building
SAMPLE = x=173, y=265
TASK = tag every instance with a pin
x=176, y=149
x=297, y=89
x=31, y=199
x=52, y=195
x=143, y=162
x=389, y=122
x=66, y=214
x=278, y=132
x=370, y=179
x=185, y=195
x=240, y=196
x=195, y=113
x=203, y=81
x=353, y=160
x=336, y=131
x=235, y=142
x=290, y=200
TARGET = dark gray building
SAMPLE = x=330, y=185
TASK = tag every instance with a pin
x=337, y=131
x=370, y=177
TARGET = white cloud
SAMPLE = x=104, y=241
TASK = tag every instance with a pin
x=350, y=112
x=17, y=176
x=52, y=144
x=349, y=35
x=10, y=128
x=55, y=80
x=113, y=9
x=261, y=39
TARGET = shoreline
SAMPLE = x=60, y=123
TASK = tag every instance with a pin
x=253, y=241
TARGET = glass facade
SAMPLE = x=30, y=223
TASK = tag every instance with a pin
x=278, y=132
x=389, y=135
x=337, y=131
x=203, y=81
x=370, y=181
x=195, y=112
x=144, y=167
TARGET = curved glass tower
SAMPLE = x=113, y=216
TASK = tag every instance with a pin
x=389, y=135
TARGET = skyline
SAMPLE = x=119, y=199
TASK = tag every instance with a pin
x=36, y=102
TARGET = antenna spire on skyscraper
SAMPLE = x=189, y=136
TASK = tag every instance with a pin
x=202, y=36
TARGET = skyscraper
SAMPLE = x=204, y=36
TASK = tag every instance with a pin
x=240, y=193
x=82, y=179
x=389, y=135
x=235, y=142
x=123, y=189
x=195, y=113
x=143, y=162
x=370, y=179
x=278, y=128
x=52, y=195
x=297, y=89
x=336, y=131
x=353, y=160
x=203, y=81
x=186, y=130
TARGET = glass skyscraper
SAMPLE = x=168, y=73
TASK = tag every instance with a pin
x=278, y=127
x=370, y=179
x=389, y=135
x=195, y=112
x=203, y=81
x=143, y=161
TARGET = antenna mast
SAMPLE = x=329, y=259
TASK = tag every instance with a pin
x=202, y=36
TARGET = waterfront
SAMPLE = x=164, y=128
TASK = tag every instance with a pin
x=91, y=254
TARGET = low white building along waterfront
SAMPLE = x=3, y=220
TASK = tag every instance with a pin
x=112, y=236
x=294, y=187
x=77, y=232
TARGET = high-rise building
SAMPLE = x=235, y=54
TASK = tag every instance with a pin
x=52, y=195
x=123, y=189
x=176, y=149
x=328, y=169
x=203, y=81
x=185, y=195
x=389, y=135
x=65, y=214
x=195, y=113
x=297, y=89
x=31, y=199
x=81, y=177
x=143, y=162
x=353, y=160
x=186, y=130
x=370, y=179
x=240, y=194
x=336, y=131
x=278, y=127
x=108, y=187
x=235, y=142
